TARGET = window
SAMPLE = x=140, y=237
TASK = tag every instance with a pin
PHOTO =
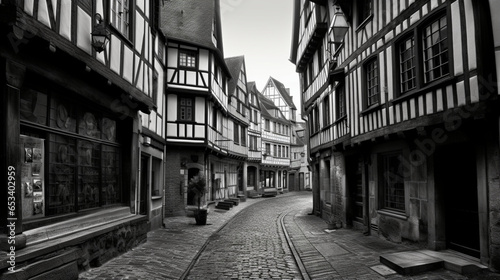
x=275, y=150
x=268, y=149
x=326, y=111
x=120, y=16
x=341, y=101
x=268, y=124
x=236, y=133
x=426, y=60
x=214, y=118
x=243, y=137
x=393, y=183
x=407, y=64
x=435, y=48
x=372, y=82
x=186, y=109
x=187, y=58
x=364, y=10
x=316, y=119
x=253, y=143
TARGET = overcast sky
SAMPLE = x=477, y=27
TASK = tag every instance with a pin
x=261, y=30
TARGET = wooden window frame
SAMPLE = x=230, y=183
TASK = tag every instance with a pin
x=417, y=34
x=236, y=131
x=180, y=106
x=326, y=111
x=364, y=12
x=189, y=54
x=340, y=98
x=368, y=86
x=118, y=21
x=392, y=178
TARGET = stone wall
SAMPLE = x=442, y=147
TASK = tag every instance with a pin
x=78, y=252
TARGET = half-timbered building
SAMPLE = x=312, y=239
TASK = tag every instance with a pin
x=254, y=141
x=275, y=161
x=71, y=109
x=402, y=108
x=238, y=123
x=197, y=123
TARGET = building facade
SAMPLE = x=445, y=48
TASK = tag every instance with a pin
x=197, y=121
x=71, y=128
x=276, y=131
x=239, y=112
x=254, y=141
x=403, y=120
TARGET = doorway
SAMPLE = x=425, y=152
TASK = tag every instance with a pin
x=190, y=195
x=143, y=195
x=456, y=178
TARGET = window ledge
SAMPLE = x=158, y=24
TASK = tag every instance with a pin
x=371, y=109
x=340, y=119
x=156, y=197
x=423, y=90
x=393, y=214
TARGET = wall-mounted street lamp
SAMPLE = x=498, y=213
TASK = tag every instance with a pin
x=100, y=35
x=339, y=26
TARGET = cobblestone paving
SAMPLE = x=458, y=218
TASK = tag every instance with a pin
x=349, y=253
x=251, y=246
x=169, y=251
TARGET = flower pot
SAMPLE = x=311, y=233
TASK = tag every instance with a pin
x=330, y=225
x=201, y=216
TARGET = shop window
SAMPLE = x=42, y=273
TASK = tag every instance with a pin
x=82, y=167
x=156, y=175
x=393, y=183
x=33, y=106
x=89, y=125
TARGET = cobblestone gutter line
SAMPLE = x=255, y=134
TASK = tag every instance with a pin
x=316, y=266
x=296, y=256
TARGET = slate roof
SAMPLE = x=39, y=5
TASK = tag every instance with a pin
x=252, y=87
x=190, y=21
x=267, y=105
x=234, y=64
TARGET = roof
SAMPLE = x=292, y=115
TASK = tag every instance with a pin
x=267, y=105
x=191, y=21
x=252, y=88
x=283, y=91
x=235, y=65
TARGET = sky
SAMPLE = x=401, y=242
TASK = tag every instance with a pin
x=261, y=30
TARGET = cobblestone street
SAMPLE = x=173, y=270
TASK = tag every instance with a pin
x=248, y=242
x=252, y=245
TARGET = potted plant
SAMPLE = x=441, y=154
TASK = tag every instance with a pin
x=198, y=186
x=333, y=223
